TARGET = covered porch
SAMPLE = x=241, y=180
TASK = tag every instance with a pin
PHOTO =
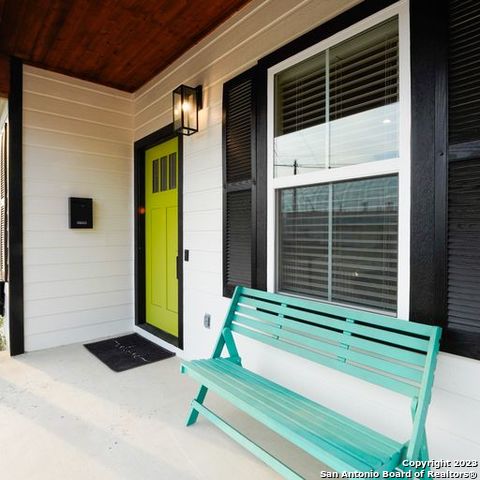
x=333, y=156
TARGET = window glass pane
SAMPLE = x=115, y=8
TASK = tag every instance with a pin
x=365, y=242
x=363, y=94
x=303, y=240
x=339, y=107
x=299, y=144
x=300, y=152
x=163, y=174
x=339, y=242
x=155, y=176
x=172, y=171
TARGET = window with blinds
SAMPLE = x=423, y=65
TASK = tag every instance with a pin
x=339, y=242
x=336, y=109
x=238, y=166
x=339, y=107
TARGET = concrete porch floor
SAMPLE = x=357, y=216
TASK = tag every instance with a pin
x=65, y=415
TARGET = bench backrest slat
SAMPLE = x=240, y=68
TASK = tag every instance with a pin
x=369, y=376
x=316, y=343
x=382, y=350
x=396, y=353
x=360, y=315
x=338, y=322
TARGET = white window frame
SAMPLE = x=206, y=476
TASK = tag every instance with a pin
x=399, y=166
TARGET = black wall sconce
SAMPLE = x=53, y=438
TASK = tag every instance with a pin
x=187, y=101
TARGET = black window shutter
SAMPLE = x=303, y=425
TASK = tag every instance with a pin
x=462, y=332
x=239, y=147
x=463, y=328
x=464, y=71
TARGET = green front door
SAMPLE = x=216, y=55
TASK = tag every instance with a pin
x=161, y=236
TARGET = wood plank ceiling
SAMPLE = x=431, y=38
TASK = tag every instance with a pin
x=118, y=43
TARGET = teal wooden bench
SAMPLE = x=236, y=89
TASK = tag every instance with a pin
x=394, y=354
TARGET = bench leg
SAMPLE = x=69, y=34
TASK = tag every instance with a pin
x=193, y=414
x=251, y=446
x=422, y=456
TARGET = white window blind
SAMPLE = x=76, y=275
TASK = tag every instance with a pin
x=340, y=107
x=339, y=242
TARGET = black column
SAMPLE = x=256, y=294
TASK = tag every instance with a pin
x=428, y=35
x=15, y=208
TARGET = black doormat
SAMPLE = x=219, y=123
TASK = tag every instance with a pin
x=129, y=351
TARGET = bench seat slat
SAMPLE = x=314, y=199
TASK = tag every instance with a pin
x=381, y=442
x=337, y=350
x=368, y=375
x=300, y=416
x=317, y=318
x=219, y=374
x=294, y=435
x=400, y=354
x=320, y=418
x=345, y=312
x=281, y=423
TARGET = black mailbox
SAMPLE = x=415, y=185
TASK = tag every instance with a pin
x=80, y=212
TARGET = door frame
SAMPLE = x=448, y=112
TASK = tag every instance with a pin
x=140, y=146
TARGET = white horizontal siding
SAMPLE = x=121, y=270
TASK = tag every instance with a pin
x=73, y=90
x=66, y=108
x=259, y=28
x=39, y=136
x=77, y=143
x=38, y=274
x=81, y=332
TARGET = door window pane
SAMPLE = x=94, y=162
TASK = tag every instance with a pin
x=163, y=174
x=172, y=171
x=155, y=176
